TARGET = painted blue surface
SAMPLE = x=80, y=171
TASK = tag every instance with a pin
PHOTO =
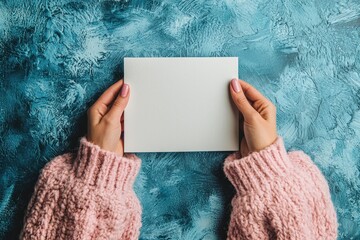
x=58, y=56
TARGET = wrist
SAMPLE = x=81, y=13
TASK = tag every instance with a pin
x=264, y=145
x=104, y=145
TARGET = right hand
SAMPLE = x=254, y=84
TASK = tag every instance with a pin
x=258, y=118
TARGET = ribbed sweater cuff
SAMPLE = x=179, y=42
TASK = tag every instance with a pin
x=256, y=171
x=105, y=169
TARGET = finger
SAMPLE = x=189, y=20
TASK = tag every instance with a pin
x=240, y=100
x=99, y=108
x=119, y=104
x=261, y=104
x=251, y=92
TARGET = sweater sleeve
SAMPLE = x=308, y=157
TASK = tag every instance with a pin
x=88, y=195
x=279, y=195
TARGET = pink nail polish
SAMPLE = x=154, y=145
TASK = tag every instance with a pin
x=124, y=90
x=235, y=85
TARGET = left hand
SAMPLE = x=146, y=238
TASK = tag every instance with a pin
x=106, y=119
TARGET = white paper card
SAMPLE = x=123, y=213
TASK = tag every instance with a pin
x=180, y=104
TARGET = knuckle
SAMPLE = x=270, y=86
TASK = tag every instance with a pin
x=118, y=103
x=253, y=116
x=257, y=105
x=272, y=107
x=107, y=120
x=241, y=98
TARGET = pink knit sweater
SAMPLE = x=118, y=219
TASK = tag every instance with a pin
x=89, y=195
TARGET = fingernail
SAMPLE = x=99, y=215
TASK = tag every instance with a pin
x=235, y=85
x=124, y=90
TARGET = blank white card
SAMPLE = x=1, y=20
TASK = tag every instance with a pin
x=180, y=105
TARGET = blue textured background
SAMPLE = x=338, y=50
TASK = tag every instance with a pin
x=57, y=57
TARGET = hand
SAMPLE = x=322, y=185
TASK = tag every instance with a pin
x=258, y=117
x=106, y=119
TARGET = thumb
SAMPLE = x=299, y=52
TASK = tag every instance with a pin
x=119, y=104
x=240, y=100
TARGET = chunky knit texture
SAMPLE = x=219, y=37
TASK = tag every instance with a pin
x=89, y=195
x=279, y=195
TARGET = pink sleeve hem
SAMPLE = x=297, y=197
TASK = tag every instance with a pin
x=104, y=168
x=255, y=171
